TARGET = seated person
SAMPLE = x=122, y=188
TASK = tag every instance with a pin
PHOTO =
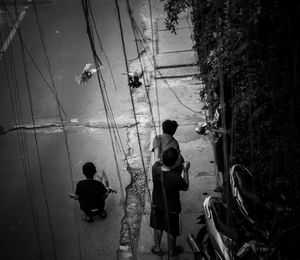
x=91, y=194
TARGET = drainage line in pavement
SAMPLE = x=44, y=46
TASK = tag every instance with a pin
x=4, y=131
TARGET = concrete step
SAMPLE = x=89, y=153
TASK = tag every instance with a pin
x=174, y=42
x=175, y=59
x=173, y=82
x=177, y=72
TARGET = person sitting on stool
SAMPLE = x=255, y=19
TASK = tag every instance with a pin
x=91, y=194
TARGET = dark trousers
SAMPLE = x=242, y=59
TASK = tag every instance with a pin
x=94, y=211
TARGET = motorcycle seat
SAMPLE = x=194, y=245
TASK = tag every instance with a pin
x=246, y=189
x=225, y=221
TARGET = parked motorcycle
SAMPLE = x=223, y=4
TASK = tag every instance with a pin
x=237, y=232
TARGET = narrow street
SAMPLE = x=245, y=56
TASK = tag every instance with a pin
x=229, y=64
x=38, y=165
x=43, y=165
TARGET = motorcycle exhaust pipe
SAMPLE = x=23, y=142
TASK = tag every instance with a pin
x=190, y=239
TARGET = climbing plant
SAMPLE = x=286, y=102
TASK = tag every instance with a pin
x=255, y=45
x=173, y=9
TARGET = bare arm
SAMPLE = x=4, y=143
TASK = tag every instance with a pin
x=186, y=174
x=155, y=149
x=156, y=155
x=73, y=196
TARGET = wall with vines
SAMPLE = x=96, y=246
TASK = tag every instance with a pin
x=254, y=46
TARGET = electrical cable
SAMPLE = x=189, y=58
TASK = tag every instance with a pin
x=164, y=79
x=22, y=139
x=154, y=63
x=138, y=53
x=61, y=120
x=107, y=105
x=101, y=47
x=85, y=8
x=34, y=63
x=114, y=126
x=117, y=132
x=134, y=27
x=105, y=95
x=141, y=65
x=147, y=94
x=25, y=161
x=39, y=159
x=164, y=194
x=97, y=64
x=130, y=90
x=162, y=182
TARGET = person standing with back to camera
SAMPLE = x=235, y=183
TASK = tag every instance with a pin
x=166, y=140
x=166, y=206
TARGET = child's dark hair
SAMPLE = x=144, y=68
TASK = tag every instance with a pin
x=169, y=127
x=170, y=156
x=89, y=169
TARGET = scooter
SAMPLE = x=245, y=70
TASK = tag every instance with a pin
x=232, y=233
x=252, y=228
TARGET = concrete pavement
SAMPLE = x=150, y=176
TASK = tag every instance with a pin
x=68, y=48
x=178, y=99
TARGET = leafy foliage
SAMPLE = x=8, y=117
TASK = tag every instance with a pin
x=173, y=9
x=255, y=46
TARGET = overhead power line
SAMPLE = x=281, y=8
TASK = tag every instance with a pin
x=160, y=74
x=33, y=60
x=129, y=168
x=61, y=121
x=22, y=142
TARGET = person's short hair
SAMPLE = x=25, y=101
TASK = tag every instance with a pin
x=169, y=127
x=170, y=156
x=89, y=169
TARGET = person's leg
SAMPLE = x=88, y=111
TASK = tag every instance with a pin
x=156, y=223
x=171, y=244
x=157, y=239
x=173, y=231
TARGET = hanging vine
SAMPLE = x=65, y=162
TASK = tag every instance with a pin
x=258, y=44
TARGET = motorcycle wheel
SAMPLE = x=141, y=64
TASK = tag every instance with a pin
x=206, y=246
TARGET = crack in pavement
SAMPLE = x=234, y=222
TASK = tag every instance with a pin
x=135, y=191
x=53, y=126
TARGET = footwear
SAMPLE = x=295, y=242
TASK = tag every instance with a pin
x=102, y=214
x=187, y=166
x=155, y=251
x=178, y=250
x=88, y=219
